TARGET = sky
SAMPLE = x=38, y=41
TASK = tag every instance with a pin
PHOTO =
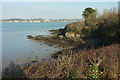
x=51, y=10
x=60, y=0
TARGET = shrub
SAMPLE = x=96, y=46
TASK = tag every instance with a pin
x=41, y=68
x=109, y=27
x=91, y=64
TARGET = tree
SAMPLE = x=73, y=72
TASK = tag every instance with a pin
x=87, y=12
x=90, y=16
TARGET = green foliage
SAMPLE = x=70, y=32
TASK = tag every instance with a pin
x=91, y=20
x=106, y=26
x=86, y=32
x=73, y=74
x=41, y=68
x=90, y=31
x=87, y=12
x=94, y=72
x=91, y=68
x=90, y=16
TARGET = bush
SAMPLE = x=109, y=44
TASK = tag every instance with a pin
x=87, y=64
x=109, y=27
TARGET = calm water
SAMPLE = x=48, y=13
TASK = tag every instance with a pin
x=16, y=46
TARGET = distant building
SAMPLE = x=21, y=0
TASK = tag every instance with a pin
x=37, y=20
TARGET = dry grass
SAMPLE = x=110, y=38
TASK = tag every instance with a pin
x=78, y=65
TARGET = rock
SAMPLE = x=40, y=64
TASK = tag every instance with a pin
x=43, y=59
x=61, y=36
x=36, y=57
x=39, y=36
x=30, y=37
x=29, y=57
x=50, y=45
x=55, y=47
x=70, y=34
x=63, y=41
x=77, y=35
x=69, y=25
x=36, y=37
x=34, y=61
x=10, y=68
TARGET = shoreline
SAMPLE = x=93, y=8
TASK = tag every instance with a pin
x=64, y=43
x=80, y=57
x=36, y=22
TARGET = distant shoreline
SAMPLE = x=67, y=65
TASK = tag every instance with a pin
x=36, y=22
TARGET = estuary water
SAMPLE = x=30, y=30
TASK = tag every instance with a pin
x=16, y=47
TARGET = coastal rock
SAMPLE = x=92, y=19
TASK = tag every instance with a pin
x=39, y=36
x=34, y=38
x=70, y=34
x=61, y=36
x=33, y=61
x=30, y=37
x=43, y=59
x=77, y=35
x=69, y=25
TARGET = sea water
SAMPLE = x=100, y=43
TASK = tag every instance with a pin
x=16, y=47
